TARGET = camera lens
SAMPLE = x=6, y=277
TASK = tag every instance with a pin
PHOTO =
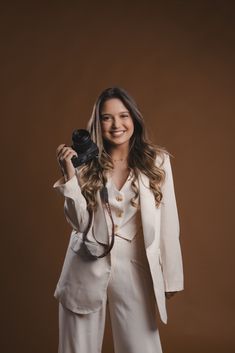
x=81, y=138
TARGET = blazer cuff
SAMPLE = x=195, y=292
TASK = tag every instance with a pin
x=67, y=188
x=174, y=287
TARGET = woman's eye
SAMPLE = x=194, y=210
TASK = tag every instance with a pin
x=105, y=118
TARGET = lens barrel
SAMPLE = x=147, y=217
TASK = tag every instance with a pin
x=84, y=146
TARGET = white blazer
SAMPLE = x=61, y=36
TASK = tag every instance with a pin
x=82, y=284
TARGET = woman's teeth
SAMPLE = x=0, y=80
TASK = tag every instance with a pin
x=117, y=133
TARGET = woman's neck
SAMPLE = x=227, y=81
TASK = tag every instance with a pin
x=118, y=152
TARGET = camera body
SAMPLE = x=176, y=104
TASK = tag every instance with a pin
x=84, y=146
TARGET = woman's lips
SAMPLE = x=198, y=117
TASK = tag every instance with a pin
x=117, y=133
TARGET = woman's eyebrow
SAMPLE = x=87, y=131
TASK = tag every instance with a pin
x=126, y=111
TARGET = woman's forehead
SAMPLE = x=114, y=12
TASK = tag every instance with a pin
x=113, y=106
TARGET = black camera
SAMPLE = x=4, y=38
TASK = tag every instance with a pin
x=84, y=146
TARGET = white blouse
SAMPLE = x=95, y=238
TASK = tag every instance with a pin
x=127, y=218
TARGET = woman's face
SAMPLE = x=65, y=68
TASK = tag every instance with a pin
x=116, y=122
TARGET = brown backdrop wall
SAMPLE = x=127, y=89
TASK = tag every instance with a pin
x=176, y=58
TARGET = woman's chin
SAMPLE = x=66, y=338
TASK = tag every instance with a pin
x=117, y=141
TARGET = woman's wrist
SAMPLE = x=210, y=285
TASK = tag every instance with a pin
x=67, y=177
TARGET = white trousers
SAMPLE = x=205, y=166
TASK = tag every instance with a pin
x=131, y=304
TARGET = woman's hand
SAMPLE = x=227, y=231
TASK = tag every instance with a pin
x=64, y=155
x=169, y=294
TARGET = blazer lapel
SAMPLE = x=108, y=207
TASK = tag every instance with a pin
x=100, y=227
x=149, y=212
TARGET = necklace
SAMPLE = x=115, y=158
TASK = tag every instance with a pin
x=119, y=160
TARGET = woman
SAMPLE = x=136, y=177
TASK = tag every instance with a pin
x=144, y=266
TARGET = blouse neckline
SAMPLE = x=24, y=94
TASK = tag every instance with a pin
x=109, y=177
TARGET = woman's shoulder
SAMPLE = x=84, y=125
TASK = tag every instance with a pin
x=162, y=156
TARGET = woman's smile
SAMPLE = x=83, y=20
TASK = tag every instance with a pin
x=116, y=123
x=117, y=133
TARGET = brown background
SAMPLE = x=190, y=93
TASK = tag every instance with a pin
x=176, y=58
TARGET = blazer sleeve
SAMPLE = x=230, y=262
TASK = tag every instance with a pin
x=75, y=205
x=171, y=256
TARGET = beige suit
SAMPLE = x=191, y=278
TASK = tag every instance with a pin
x=82, y=286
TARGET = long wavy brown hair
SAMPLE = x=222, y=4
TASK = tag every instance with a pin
x=141, y=158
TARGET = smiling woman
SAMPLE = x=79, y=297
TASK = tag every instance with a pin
x=144, y=266
x=116, y=124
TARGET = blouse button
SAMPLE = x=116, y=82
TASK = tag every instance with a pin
x=119, y=214
x=119, y=198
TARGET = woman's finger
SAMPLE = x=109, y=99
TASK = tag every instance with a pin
x=68, y=154
x=60, y=149
x=169, y=294
x=63, y=151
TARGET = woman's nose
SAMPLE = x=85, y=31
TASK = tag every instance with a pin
x=115, y=123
